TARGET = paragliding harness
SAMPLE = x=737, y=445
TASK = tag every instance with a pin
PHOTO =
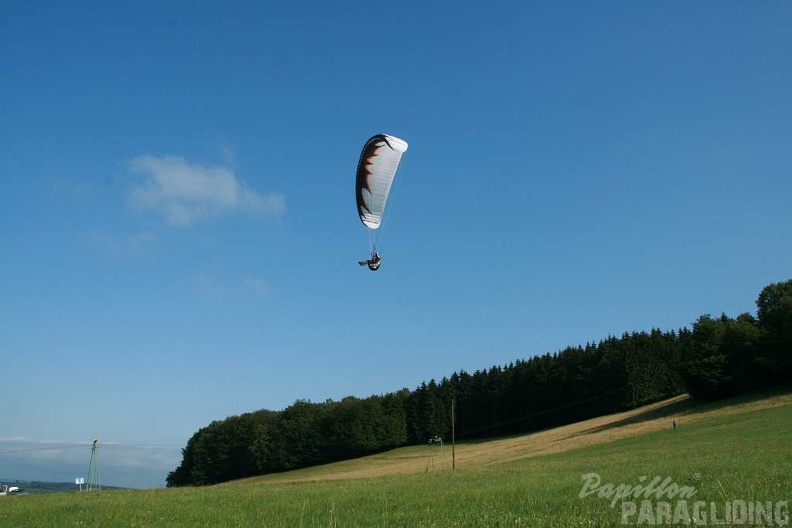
x=373, y=263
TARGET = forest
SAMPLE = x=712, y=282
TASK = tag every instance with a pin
x=715, y=358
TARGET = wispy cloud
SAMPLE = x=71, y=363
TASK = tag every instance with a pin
x=135, y=245
x=209, y=285
x=73, y=189
x=206, y=284
x=12, y=439
x=257, y=287
x=185, y=193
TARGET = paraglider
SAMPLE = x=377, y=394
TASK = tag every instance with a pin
x=377, y=167
x=373, y=263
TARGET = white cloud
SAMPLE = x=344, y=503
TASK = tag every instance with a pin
x=184, y=193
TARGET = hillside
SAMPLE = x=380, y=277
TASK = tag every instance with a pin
x=601, y=430
x=730, y=452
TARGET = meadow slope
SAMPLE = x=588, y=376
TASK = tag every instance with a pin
x=601, y=430
x=737, y=449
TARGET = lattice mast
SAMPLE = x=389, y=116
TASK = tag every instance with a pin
x=94, y=475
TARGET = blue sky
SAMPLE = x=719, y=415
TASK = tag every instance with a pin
x=179, y=234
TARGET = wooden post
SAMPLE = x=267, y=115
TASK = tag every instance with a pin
x=453, y=435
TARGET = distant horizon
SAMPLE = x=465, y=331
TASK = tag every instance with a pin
x=120, y=465
x=63, y=484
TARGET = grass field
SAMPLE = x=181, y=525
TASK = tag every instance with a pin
x=734, y=450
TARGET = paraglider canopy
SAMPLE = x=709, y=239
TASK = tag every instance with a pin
x=376, y=169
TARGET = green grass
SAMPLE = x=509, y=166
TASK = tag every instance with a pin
x=746, y=456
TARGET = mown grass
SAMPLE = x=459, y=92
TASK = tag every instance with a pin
x=744, y=455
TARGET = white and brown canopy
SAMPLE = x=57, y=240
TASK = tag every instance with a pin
x=376, y=169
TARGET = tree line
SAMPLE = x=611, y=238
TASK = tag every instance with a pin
x=716, y=358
